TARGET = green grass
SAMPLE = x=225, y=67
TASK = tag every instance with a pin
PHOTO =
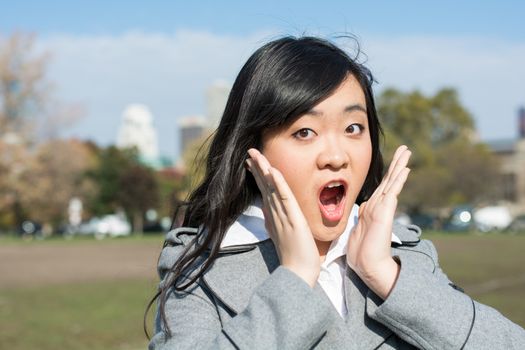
x=472, y=261
x=104, y=315
x=108, y=315
x=10, y=239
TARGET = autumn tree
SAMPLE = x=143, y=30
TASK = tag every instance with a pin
x=28, y=109
x=53, y=176
x=14, y=159
x=449, y=165
x=29, y=115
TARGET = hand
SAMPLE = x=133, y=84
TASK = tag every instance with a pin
x=369, y=244
x=284, y=220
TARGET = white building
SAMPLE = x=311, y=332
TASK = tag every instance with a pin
x=137, y=130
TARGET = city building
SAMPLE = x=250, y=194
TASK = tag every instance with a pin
x=137, y=130
x=511, y=153
x=191, y=129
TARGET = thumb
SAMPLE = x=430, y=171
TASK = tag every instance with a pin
x=362, y=208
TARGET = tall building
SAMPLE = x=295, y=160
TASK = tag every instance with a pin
x=521, y=123
x=137, y=130
x=511, y=153
x=191, y=129
x=216, y=98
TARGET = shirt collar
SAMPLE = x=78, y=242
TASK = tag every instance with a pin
x=249, y=229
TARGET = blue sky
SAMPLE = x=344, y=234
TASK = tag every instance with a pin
x=108, y=54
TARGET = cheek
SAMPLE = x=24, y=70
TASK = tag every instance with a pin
x=291, y=171
x=362, y=159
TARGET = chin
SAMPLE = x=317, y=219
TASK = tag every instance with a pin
x=327, y=232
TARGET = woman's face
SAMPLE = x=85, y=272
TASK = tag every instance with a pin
x=324, y=155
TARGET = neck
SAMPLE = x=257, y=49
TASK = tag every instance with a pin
x=322, y=247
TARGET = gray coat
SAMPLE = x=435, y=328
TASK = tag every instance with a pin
x=247, y=301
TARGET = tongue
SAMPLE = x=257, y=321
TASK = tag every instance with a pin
x=328, y=198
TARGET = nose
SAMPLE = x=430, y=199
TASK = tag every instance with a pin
x=332, y=155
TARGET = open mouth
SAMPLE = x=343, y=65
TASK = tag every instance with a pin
x=332, y=199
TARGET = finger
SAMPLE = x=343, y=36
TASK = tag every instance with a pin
x=397, y=154
x=266, y=190
x=278, y=210
x=261, y=164
x=399, y=151
x=287, y=200
x=259, y=179
x=260, y=160
x=261, y=169
x=398, y=183
x=379, y=191
x=399, y=168
x=389, y=202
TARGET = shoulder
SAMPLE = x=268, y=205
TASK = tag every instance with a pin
x=412, y=245
x=176, y=243
x=182, y=240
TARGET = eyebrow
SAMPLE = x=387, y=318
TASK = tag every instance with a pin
x=348, y=109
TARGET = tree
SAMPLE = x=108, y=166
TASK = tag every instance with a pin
x=449, y=166
x=14, y=159
x=123, y=183
x=52, y=177
x=29, y=115
x=28, y=109
x=138, y=193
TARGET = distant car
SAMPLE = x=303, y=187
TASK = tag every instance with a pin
x=461, y=219
x=424, y=221
x=112, y=225
x=29, y=228
x=492, y=218
x=517, y=225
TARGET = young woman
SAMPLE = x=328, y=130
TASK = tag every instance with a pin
x=289, y=242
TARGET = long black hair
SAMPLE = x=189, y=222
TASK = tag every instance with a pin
x=282, y=80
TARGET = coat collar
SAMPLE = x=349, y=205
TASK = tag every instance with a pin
x=255, y=262
x=233, y=278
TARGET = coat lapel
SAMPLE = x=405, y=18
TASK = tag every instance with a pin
x=224, y=277
x=364, y=331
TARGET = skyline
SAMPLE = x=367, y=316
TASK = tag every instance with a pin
x=107, y=56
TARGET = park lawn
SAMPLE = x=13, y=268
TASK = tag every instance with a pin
x=102, y=315
x=108, y=314
x=489, y=267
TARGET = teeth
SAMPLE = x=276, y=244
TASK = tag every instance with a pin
x=334, y=184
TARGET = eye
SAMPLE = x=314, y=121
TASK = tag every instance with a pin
x=355, y=129
x=304, y=134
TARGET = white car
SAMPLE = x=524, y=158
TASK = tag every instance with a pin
x=112, y=225
x=492, y=218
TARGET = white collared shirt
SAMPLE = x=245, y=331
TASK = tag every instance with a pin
x=249, y=228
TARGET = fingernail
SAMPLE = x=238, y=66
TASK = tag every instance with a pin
x=248, y=165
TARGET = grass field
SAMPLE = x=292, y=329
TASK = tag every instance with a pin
x=107, y=313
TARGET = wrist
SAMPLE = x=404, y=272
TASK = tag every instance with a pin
x=383, y=281
x=310, y=276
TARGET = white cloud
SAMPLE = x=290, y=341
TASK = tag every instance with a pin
x=170, y=74
x=488, y=74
